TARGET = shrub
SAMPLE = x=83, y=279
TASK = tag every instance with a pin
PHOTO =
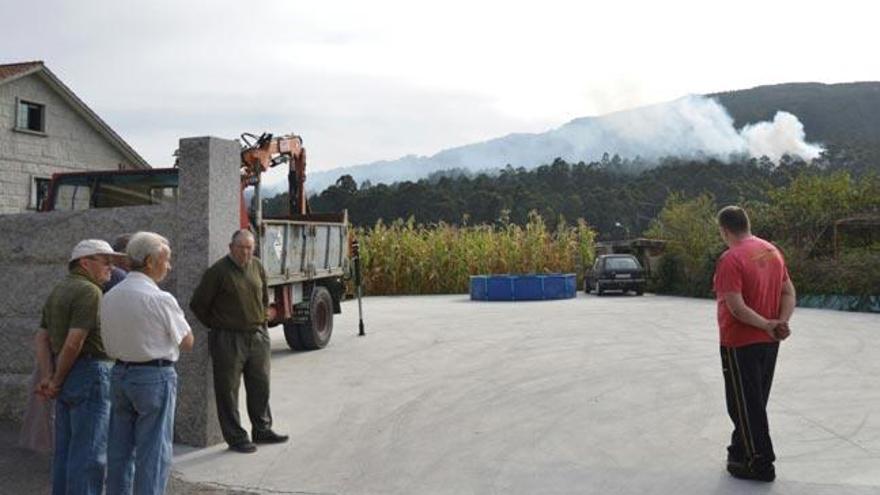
x=854, y=273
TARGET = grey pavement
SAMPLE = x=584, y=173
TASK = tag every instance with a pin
x=604, y=395
x=23, y=472
x=610, y=395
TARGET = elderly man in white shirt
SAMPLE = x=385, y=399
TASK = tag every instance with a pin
x=144, y=329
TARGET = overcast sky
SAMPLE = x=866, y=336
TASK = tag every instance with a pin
x=364, y=81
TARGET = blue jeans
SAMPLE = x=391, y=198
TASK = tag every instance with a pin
x=82, y=412
x=141, y=429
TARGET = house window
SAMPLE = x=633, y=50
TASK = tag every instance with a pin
x=31, y=116
x=39, y=192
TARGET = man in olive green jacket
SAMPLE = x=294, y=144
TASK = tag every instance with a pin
x=232, y=300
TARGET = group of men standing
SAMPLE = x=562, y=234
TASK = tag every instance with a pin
x=108, y=361
x=143, y=330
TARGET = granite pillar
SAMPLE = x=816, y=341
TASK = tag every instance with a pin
x=207, y=215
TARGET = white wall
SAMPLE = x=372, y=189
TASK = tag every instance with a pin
x=70, y=144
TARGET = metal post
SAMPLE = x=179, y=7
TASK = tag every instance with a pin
x=355, y=248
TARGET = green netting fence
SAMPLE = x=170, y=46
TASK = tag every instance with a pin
x=865, y=304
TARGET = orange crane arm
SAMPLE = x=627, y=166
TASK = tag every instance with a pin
x=268, y=152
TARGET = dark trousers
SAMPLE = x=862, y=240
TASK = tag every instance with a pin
x=235, y=354
x=748, y=376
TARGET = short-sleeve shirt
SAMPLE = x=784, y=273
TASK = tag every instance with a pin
x=141, y=322
x=756, y=269
x=74, y=303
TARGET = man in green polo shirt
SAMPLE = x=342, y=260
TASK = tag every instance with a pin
x=79, y=375
x=232, y=300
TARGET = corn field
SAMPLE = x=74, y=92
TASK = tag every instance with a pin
x=409, y=258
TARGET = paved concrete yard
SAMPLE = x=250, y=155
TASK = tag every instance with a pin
x=614, y=394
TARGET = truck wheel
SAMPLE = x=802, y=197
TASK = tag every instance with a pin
x=315, y=334
x=291, y=335
x=587, y=287
x=599, y=290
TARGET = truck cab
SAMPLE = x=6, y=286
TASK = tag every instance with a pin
x=110, y=189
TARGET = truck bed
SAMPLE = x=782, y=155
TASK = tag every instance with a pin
x=305, y=248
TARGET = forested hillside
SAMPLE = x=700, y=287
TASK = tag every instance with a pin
x=831, y=113
x=611, y=199
x=619, y=197
x=844, y=118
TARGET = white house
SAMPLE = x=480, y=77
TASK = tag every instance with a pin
x=44, y=129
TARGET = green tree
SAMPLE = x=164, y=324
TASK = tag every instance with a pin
x=690, y=228
x=802, y=212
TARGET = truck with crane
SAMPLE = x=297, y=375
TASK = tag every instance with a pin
x=307, y=256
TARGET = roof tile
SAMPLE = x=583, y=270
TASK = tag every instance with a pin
x=10, y=70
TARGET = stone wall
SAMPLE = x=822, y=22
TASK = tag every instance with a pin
x=70, y=143
x=34, y=249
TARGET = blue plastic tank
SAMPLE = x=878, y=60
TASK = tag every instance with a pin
x=531, y=287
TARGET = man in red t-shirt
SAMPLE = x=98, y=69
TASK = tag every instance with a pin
x=755, y=301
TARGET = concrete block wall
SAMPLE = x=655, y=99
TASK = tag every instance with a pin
x=70, y=143
x=34, y=249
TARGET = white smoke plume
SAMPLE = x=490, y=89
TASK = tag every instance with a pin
x=700, y=126
x=689, y=127
x=774, y=139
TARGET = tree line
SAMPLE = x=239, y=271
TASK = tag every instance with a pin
x=617, y=197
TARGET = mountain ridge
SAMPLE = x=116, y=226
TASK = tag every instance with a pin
x=832, y=114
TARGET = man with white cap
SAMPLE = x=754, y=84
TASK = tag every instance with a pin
x=145, y=330
x=79, y=377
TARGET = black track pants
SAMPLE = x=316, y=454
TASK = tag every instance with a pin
x=748, y=375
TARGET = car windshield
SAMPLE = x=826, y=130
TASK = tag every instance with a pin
x=621, y=264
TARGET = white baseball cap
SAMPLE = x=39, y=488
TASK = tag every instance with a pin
x=91, y=247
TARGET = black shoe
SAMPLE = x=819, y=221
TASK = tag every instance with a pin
x=735, y=458
x=742, y=471
x=269, y=436
x=737, y=469
x=243, y=447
